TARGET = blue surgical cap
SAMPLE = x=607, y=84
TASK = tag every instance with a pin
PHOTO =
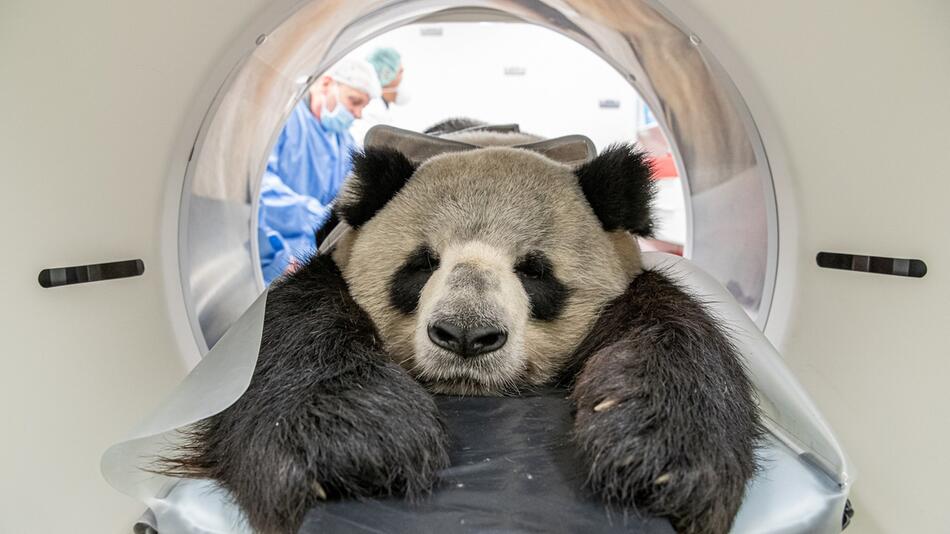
x=386, y=62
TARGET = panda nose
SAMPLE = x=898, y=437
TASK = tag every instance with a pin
x=467, y=342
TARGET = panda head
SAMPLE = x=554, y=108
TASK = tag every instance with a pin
x=483, y=270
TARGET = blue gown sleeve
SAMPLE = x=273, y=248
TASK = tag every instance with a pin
x=273, y=249
x=286, y=218
x=288, y=212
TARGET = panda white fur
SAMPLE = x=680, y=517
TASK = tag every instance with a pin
x=485, y=272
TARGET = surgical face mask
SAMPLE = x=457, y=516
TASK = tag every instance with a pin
x=403, y=96
x=340, y=119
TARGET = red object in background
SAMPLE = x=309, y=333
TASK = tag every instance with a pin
x=664, y=168
x=648, y=244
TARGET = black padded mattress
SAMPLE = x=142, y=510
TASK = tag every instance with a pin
x=514, y=470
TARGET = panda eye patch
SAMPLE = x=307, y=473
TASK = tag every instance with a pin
x=407, y=282
x=547, y=294
x=532, y=265
x=422, y=259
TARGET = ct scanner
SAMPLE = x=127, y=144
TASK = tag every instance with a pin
x=136, y=132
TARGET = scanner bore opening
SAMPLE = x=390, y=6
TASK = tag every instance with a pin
x=732, y=221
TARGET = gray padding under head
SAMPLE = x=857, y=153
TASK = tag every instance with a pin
x=418, y=147
x=570, y=149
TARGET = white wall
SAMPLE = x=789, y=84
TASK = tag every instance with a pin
x=855, y=176
x=461, y=73
x=94, y=98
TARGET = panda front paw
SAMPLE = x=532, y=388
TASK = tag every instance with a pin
x=666, y=416
x=370, y=441
x=280, y=453
x=638, y=462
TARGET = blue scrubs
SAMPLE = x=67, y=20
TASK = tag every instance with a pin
x=304, y=174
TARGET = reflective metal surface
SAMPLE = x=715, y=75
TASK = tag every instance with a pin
x=732, y=229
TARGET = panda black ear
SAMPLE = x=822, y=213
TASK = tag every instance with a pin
x=378, y=174
x=619, y=186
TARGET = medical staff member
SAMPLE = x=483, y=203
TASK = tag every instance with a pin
x=388, y=64
x=309, y=163
x=389, y=68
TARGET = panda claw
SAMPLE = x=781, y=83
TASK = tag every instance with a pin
x=319, y=491
x=605, y=405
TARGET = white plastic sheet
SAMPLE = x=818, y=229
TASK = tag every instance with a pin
x=218, y=380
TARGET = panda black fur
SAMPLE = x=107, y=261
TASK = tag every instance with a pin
x=540, y=256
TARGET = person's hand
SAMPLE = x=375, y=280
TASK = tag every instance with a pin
x=293, y=266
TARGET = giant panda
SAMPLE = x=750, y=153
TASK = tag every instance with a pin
x=471, y=269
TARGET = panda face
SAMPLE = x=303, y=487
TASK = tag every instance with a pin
x=485, y=270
